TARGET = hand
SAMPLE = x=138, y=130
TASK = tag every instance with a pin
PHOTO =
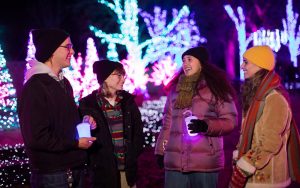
x=89, y=119
x=238, y=178
x=160, y=161
x=85, y=142
x=197, y=126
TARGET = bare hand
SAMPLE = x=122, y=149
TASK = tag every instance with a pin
x=85, y=142
x=89, y=119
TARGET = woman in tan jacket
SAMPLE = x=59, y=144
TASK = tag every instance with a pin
x=268, y=151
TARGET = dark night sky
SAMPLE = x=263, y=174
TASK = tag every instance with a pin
x=18, y=17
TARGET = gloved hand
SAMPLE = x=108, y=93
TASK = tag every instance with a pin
x=238, y=178
x=197, y=126
x=160, y=160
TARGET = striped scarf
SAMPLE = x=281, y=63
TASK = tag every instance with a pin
x=269, y=83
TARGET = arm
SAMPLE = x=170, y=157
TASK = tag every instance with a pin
x=225, y=122
x=165, y=130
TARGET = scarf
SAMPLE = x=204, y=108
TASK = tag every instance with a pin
x=269, y=83
x=186, y=89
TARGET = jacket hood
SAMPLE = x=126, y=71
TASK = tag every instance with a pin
x=40, y=68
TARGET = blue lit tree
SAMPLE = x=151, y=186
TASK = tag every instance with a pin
x=172, y=38
x=8, y=102
x=290, y=27
x=290, y=36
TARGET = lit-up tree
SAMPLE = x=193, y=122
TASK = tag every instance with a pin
x=73, y=74
x=175, y=37
x=289, y=36
x=241, y=30
x=163, y=71
x=8, y=103
x=290, y=27
x=89, y=80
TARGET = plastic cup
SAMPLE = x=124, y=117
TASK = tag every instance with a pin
x=84, y=130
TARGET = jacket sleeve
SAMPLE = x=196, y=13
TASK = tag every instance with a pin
x=85, y=109
x=225, y=122
x=35, y=121
x=269, y=137
x=164, y=134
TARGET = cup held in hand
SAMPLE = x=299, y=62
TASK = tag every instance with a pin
x=84, y=130
x=188, y=117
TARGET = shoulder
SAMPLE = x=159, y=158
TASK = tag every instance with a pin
x=90, y=97
x=37, y=80
x=277, y=100
x=127, y=96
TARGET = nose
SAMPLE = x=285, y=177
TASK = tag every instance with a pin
x=185, y=63
x=243, y=65
x=72, y=51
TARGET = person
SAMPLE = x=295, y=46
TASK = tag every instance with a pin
x=267, y=154
x=202, y=90
x=114, y=156
x=48, y=115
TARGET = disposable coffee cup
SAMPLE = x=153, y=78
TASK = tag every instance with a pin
x=84, y=130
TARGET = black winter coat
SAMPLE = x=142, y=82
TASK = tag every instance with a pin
x=102, y=161
x=48, y=118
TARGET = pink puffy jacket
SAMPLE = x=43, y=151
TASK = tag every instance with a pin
x=201, y=153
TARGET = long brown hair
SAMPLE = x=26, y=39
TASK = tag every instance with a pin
x=250, y=86
x=216, y=80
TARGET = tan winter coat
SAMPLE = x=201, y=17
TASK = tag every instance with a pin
x=268, y=153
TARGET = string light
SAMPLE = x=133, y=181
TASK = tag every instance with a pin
x=174, y=37
x=289, y=36
x=8, y=101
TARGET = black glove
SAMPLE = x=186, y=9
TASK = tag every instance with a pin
x=160, y=160
x=197, y=126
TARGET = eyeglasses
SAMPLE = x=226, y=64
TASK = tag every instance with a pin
x=120, y=75
x=68, y=46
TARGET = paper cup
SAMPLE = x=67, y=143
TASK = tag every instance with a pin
x=84, y=130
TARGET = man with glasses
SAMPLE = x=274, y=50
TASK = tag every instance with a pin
x=48, y=115
x=113, y=156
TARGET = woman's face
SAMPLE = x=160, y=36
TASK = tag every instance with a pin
x=115, y=81
x=190, y=65
x=249, y=68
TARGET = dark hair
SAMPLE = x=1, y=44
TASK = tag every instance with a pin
x=216, y=80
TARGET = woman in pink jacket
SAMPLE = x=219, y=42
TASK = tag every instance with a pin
x=192, y=151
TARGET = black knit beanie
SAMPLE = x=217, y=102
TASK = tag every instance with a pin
x=104, y=68
x=199, y=52
x=46, y=41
